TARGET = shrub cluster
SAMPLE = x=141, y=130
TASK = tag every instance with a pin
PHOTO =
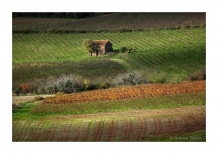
x=198, y=75
x=104, y=86
x=38, y=98
x=130, y=79
x=125, y=49
x=64, y=84
x=67, y=87
x=22, y=88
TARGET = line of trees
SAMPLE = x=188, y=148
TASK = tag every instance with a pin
x=53, y=14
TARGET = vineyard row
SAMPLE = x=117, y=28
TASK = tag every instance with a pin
x=128, y=92
x=33, y=47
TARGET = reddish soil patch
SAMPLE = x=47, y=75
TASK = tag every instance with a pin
x=135, y=125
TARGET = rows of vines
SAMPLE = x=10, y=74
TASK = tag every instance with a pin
x=128, y=92
x=175, y=52
x=120, y=105
x=120, y=128
x=35, y=47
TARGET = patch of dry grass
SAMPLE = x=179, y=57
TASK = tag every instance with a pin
x=17, y=100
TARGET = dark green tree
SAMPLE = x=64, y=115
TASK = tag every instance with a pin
x=88, y=46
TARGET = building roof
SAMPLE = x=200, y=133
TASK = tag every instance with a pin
x=101, y=41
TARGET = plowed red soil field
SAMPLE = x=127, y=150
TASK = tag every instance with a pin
x=135, y=125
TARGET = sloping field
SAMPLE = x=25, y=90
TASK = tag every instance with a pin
x=116, y=21
x=105, y=69
x=174, y=52
x=137, y=125
x=60, y=47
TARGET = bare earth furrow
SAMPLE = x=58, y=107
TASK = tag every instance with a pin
x=112, y=130
x=63, y=133
x=75, y=128
x=50, y=132
x=83, y=132
x=125, y=128
x=34, y=135
x=136, y=129
x=130, y=130
x=99, y=131
x=144, y=125
x=21, y=132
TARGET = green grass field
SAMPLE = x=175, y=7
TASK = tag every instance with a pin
x=61, y=47
x=176, y=53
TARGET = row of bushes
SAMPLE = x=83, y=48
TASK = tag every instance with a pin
x=64, y=84
x=70, y=87
x=64, y=87
x=198, y=75
x=70, y=83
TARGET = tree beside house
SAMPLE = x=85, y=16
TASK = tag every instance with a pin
x=97, y=47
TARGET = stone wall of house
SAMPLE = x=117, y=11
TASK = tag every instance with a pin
x=102, y=48
x=108, y=47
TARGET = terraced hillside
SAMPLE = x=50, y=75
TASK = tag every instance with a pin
x=165, y=53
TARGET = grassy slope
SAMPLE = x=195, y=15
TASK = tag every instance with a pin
x=104, y=70
x=173, y=52
x=61, y=47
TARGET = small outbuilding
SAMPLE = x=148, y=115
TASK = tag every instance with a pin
x=101, y=47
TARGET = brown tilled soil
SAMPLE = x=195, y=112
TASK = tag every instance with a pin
x=135, y=125
x=116, y=21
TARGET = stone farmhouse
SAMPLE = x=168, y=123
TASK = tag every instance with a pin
x=101, y=47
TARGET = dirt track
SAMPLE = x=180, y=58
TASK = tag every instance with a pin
x=182, y=111
x=23, y=99
x=135, y=125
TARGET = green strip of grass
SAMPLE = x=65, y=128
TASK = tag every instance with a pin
x=23, y=111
